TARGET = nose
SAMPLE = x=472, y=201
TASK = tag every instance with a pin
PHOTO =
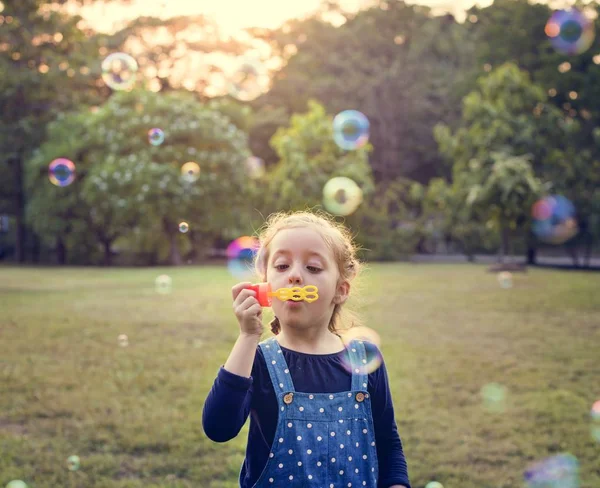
x=295, y=277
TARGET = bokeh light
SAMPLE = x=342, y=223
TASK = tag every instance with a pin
x=341, y=196
x=163, y=284
x=249, y=80
x=505, y=280
x=570, y=31
x=350, y=129
x=156, y=136
x=190, y=172
x=61, y=172
x=493, y=396
x=240, y=256
x=119, y=71
x=255, y=167
x=184, y=227
x=372, y=343
x=554, y=219
x=73, y=463
x=560, y=471
x=123, y=340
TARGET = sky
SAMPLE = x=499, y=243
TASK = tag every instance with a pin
x=234, y=15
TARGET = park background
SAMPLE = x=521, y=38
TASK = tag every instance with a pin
x=474, y=117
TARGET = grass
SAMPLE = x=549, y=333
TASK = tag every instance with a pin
x=133, y=414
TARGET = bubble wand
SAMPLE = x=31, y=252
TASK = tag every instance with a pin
x=264, y=293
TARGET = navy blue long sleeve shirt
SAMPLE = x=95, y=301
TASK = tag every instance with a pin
x=233, y=397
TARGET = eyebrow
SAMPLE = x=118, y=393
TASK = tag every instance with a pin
x=310, y=253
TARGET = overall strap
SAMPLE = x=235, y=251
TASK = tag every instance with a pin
x=358, y=360
x=277, y=366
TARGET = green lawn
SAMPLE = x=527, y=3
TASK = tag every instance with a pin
x=133, y=414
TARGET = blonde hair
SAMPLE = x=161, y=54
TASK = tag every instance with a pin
x=336, y=236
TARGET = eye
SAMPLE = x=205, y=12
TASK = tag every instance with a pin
x=313, y=269
x=279, y=267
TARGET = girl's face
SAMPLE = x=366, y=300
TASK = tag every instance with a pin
x=300, y=257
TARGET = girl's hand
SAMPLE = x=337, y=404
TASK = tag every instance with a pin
x=247, y=310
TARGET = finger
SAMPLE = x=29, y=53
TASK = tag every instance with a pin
x=249, y=302
x=240, y=287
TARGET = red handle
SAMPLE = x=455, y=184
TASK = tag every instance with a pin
x=262, y=293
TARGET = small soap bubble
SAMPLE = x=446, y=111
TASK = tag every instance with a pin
x=570, y=31
x=73, y=463
x=156, y=137
x=341, y=196
x=255, y=167
x=184, y=227
x=493, y=396
x=434, y=484
x=561, y=471
x=61, y=172
x=119, y=71
x=163, y=284
x=505, y=279
x=372, y=343
x=350, y=129
x=123, y=340
x=240, y=256
x=554, y=219
x=595, y=427
x=16, y=484
x=190, y=172
x=249, y=80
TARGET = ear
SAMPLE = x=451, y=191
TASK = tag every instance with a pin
x=342, y=292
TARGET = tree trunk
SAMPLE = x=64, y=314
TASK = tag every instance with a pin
x=107, y=256
x=174, y=255
x=505, y=238
x=61, y=251
x=20, y=212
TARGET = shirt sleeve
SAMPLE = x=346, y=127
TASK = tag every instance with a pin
x=393, y=469
x=227, y=406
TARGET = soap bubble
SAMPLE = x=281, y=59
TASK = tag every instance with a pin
x=570, y=31
x=434, y=484
x=156, y=137
x=119, y=71
x=595, y=414
x=350, y=129
x=190, y=172
x=554, y=219
x=255, y=167
x=16, y=484
x=561, y=471
x=371, y=342
x=505, y=279
x=123, y=340
x=494, y=397
x=183, y=227
x=61, y=172
x=240, y=256
x=341, y=196
x=73, y=463
x=162, y=284
x=249, y=80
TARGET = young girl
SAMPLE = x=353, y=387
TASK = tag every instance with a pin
x=313, y=423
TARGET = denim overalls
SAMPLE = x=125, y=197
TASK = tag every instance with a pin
x=322, y=440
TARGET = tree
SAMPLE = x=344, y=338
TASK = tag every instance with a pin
x=125, y=185
x=504, y=191
x=44, y=69
x=505, y=114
